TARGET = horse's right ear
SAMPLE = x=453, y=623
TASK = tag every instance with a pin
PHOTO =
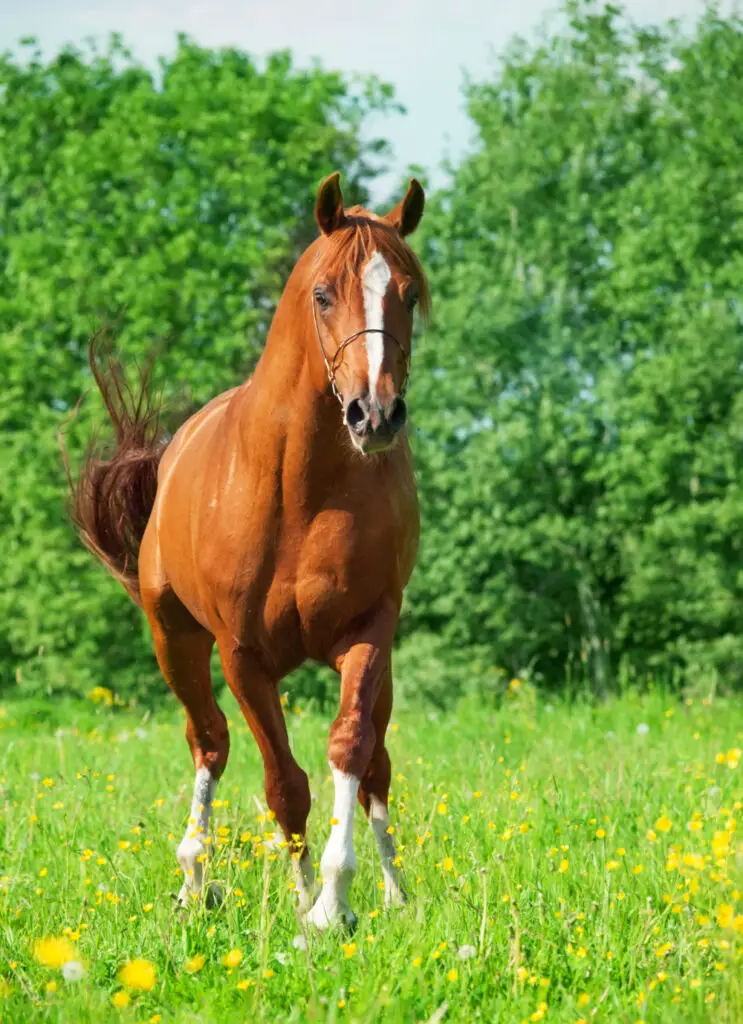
x=329, y=205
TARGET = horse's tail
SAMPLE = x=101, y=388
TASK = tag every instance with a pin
x=114, y=493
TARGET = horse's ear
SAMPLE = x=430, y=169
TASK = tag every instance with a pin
x=329, y=205
x=407, y=214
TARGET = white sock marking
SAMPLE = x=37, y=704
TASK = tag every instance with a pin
x=374, y=282
x=338, y=863
x=192, y=850
x=394, y=894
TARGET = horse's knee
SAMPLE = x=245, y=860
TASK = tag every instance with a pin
x=351, y=743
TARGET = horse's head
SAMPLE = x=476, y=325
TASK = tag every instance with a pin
x=366, y=283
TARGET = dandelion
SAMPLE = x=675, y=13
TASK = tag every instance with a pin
x=54, y=952
x=448, y=864
x=663, y=824
x=51, y=986
x=138, y=974
x=244, y=984
x=600, y=833
x=453, y=975
x=584, y=999
x=442, y=808
x=417, y=961
x=233, y=958
x=349, y=949
x=725, y=915
x=564, y=865
x=194, y=964
x=268, y=973
x=73, y=971
x=120, y=1000
x=466, y=952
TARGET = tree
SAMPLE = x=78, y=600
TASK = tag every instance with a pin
x=579, y=401
x=178, y=203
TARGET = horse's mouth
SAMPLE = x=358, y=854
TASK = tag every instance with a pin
x=373, y=443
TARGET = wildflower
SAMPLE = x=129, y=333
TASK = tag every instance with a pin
x=600, y=833
x=268, y=973
x=72, y=970
x=194, y=964
x=453, y=974
x=245, y=983
x=663, y=824
x=233, y=958
x=448, y=864
x=139, y=974
x=417, y=961
x=466, y=952
x=612, y=865
x=51, y=986
x=584, y=999
x=349, y=948
x=637, y=869
x=664, y=950
x=725, y=914
x=54, y=952
x=564, y=865
x=442, y=808
x=120, y=1000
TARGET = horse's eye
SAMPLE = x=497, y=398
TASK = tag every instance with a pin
x=322, y=298
x=411, y=298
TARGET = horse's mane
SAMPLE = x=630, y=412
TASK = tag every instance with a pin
x=348, y=248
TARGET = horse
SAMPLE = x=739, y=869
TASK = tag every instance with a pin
x=281, y=522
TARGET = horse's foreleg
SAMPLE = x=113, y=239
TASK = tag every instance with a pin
x=374, y=792
x=362, y=659
x=286, y=784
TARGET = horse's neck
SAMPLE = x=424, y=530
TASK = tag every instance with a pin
x=293, y=427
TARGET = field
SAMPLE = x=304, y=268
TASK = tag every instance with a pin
x=567, y=862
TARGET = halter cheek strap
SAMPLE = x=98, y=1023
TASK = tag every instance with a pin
x=332, y=366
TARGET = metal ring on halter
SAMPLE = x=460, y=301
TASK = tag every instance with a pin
x=333, y=367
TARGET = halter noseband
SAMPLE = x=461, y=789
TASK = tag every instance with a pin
x=333, y=366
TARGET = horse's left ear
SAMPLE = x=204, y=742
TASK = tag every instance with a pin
x=407, y=214
x=329, y=205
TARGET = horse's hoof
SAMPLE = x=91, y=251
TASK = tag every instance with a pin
x=214, y=896
x=319, y=918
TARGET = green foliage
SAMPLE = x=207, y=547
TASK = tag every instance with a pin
x=580, y=413
x=577, y=403
x=185, y=198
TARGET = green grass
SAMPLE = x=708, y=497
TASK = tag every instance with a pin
x=519, y=830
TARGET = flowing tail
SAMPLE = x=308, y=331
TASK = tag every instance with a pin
x=113, y=496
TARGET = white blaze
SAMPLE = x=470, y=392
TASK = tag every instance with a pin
x=374, y=282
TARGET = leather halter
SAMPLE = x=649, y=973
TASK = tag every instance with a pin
x=332, y=366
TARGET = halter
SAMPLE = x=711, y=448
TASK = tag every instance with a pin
x=333, y=367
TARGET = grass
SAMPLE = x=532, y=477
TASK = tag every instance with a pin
x=564, y=863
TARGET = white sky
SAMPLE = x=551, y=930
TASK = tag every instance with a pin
x=422, y=46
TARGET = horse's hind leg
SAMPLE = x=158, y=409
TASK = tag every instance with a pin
x=183, y=650
x=286, y=784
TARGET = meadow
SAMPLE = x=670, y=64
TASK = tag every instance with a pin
x=569, y=862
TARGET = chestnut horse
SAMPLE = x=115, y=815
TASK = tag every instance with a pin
x=281, y=521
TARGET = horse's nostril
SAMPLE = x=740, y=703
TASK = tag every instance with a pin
x=356, y=415
x=398, y=414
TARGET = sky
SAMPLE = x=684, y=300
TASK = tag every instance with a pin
x=423, y=47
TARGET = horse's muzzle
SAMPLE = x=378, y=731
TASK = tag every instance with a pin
x=374, y=427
